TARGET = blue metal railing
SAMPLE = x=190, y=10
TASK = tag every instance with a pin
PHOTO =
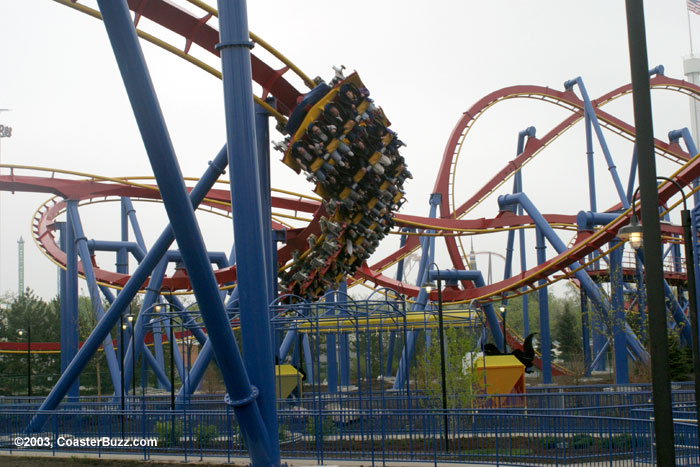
x=391, y=435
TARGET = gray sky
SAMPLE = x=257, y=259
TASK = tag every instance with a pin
x=425, y=63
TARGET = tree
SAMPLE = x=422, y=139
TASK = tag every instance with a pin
x=680, y=358
x=567, y=333
x=21, y=312
x=462, y=382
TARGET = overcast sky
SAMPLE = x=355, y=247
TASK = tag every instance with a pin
x=424, y=62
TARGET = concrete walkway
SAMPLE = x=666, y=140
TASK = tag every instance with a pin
x=235, y=461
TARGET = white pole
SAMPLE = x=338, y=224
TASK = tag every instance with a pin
x=690, y=33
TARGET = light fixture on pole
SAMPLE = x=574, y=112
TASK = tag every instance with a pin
x=172, y=362
x=20, y=333
x=130, y=318
x=160, y=308
x=428, y=287
x=122, y=326
x=503, y=311
x=633, y=234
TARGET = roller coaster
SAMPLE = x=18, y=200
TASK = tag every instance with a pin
x=341, y=140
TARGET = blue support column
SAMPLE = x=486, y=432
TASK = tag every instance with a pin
x=131, y=213
x=599, y=342
x=695, y=227
x=241, y=394
x=344, y=359
x=390, y=353
x=122, y=254
x=262, y=137
x=594, y=293
x=617, y=315
x=585, y=333
x=684, y=133
x=137, y=344
x=591, y=163
x=157, y=369
x=402, y=243
x=392, y=333
x=545, y=340
x=590, y=112
x=69, y=303
x=633, y=175
x=93, y=290
x=287, y=343
x=343, y=344
x=518, y=188
x=131, y=288
x=331, y=354
x=196, y=373
x=251, y=222
x=177, y=356
x=308, y=359
x=158, y=349
x=427, y=249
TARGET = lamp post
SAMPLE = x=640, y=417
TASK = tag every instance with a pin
x=503, y=310
x=633, y=234
x=122, y=326
x=158, y=309
x=130, y=318
x=20, y=333
x=428, y=288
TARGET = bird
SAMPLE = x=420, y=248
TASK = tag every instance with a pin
x=526, y=355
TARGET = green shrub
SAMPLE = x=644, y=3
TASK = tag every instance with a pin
x=205, y=434
x=282, y=433
x=619, y=441
x=548, y=442
x=581, y=441
x=169, y=434
x=327, y=426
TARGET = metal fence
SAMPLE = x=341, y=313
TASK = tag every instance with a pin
x=367, y=434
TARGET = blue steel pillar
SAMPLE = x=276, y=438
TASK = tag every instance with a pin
x=594, y=293
x=675, y=135
x=545, y=340
x=591, y=163
x=251, y=220
x=343, y=344
x=599, y=342
x=139, y=326
x=331, y=352
x=157, y=369
x=95, y=298
x=131, y=213
x=392, y=333
x=157, y=333
x=617, y=314
x=585, y=333
x=241, y=394
x=131, y=288
x=69, y=303
x=529, y=132
x=589, y=111
x=122, y=254
x=262, y=136
x=427, y=249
